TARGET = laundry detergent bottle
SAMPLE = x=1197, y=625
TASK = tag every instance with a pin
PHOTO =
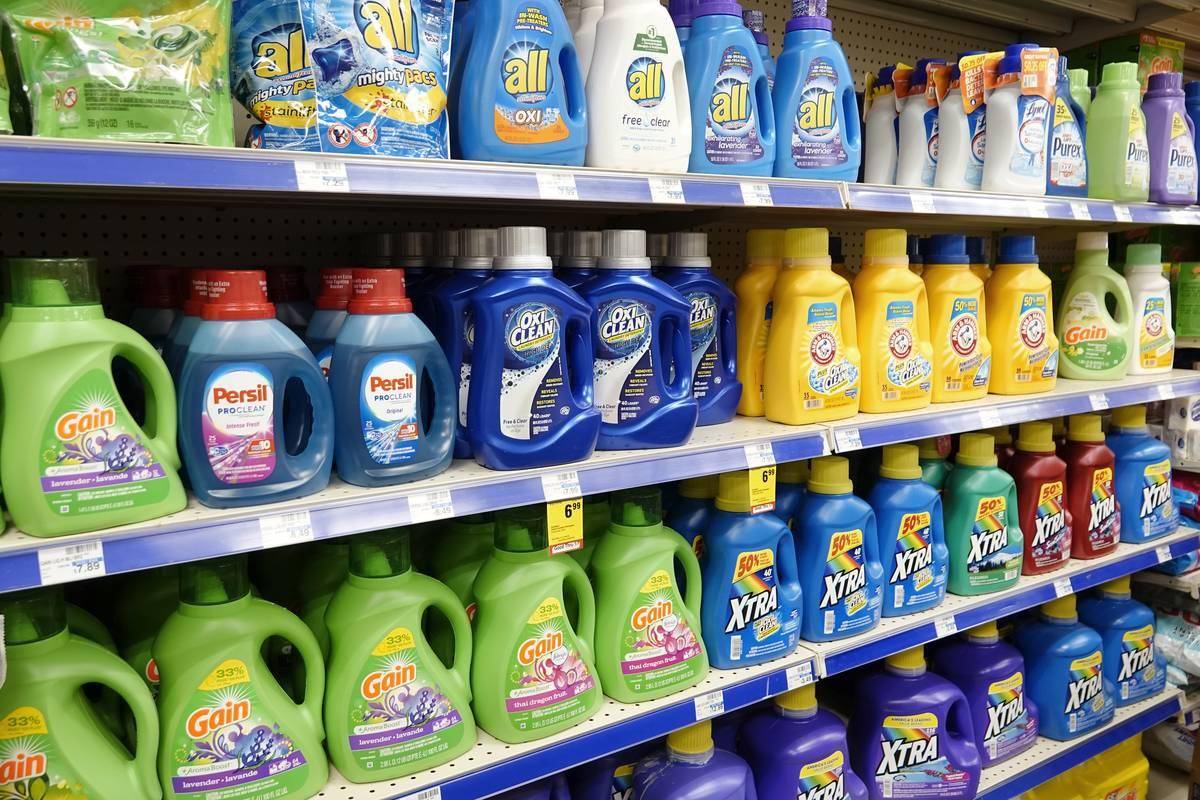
x=183, y=329
x=692, y=511
x=880, y=123
x=578, y=264
x=1066, y=164
x=791, y=489
x=982, y=523
x=1091, y=496
x=463, y=546
x=962, y=136
x=1118, y=152
x=1018, y=130
x=286, y=289
x=918, y=129
x=158, y=304
x=1020, y=321
x=146, y=599
x=1142, y=477
x=692, y=767
x=935, y=467
x=1172, y=139
x=1095, y=345
x=962, y=353
x=1152, y=333
x=754, y=289
x=1041, y=478
x=329, y=314
x=1131, y=663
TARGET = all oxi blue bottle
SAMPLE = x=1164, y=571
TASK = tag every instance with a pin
x=693, y=768
x=578, y=264
x=681, y=15
x=791, y=489
x=525, y=98
x=241, y=365
x=733, y=128
x=712, y=326
x=184, y=328
x=393, y=395
x=756, y=23
x=692, y=510
x=816, y=111
x=751, y=605
x=1131, y=662
x=1142, y=477
x=838, y=552
x=1066, y=161
x=1191, y=99
x=643, y=353
x=912, y=539
x=609, y=777
x=329, y=314
x=531, y=399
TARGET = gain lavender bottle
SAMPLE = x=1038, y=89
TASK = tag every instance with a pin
x=1172, y=138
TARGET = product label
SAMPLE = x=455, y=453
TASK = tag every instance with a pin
x=1089, y=340
x=30, y=766
x=1033, y=124
x=1104, y=523
x=622, y=782
x=846, y=600
x=824, y=779
x=977, y=128
x=817, y=129
x=548, y=682
x=914, y=579
x=647, y=126
x=324, y=360
x=659, y=648
x=1010, y=727
x=464, y=369
x=1068, y=163
x=932, y=135
x=908, y=371
x=1156, y=346
x=388, y=409
x=238, y=423
x=832, y=378
x=528, y=100
x=963, y=366
x=272, y=75
x=731, y=135
x=1034, y=359
x=1157, y=511
x=708, y=370
x=1181, y=159
x=994, y=559
x=1049, y=543
x=534, y=400
x=755, y=623
x=1087, y=704
x=1137, y=153
x=912, y=764
x=1139, y=676
x=626, y=384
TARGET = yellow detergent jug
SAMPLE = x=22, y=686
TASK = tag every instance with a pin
x=1020, y=312
x=813, y=362
x=1119, y=773
x=893, y=327
x=962, y=354
x=1063, y=787
x=764, y=256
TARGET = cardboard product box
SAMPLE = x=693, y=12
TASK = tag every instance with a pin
x=1152, y=52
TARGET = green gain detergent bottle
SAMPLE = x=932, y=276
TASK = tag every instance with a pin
x=140, y=608
x=72, y=459
x=648, y=641
x=53, y=746
x=533, y=673
x=980, y=512
x=1094, y=344
x=464, y=545
x=228, y=727
x=596, y=515
x=321, y=574
x=391, y=706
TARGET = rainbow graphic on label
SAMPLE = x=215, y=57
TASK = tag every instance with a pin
x=816, y=779
x=1139, y=676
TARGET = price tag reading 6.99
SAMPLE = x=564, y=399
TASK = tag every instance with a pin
x=762, y=489
x=564, y=525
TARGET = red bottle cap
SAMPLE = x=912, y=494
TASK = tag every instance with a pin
x=196, y=281
x=237, y=294
x=336, y=288
x=158, y=287
x=379, y=291
x=285, y=284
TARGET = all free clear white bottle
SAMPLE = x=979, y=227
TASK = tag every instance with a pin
x=1018, y=132
x=590, y=12
x=918, y=145
x=1153, y=338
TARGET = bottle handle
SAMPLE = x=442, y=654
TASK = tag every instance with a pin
x=680, y=387
x=852, y=126
x=585, y=630
x=849, y=325
x=729, y=340
x=1124, y=309
x=683, y=103
x=572, y=70
x=286, y=625
x=159, y=387
x=788, y=566
x=446, y=602
x=766, y=110
x=317, y=388
x=445, y=397
x=686, y=557
x=579, y=360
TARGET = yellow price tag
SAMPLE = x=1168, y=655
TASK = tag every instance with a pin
x=762, y=489
x=564, y=525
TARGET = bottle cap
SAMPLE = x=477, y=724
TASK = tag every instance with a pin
x=1062, y=68
x=977, y=249
x=1143, y=257
x=623, y=249
x=1091, y=240
x=886, y=75
x=521, y=529
x=688, y=249
x=657, y=245
x=1129, y=417
x=806, y=247
x=756, y=22
x=930, y=449
x=955, y=69
x=416, y=250
x=809, y=15
x=46, y=282
x=1035, y=437
x=33, y=614
x=379, y=291
x=583, y=250
x=216, y=580
x=801, y=699
x=1011, y=62
x=901, y=462
x=886, y=243
x=702, y=488
x=197, y=285
x=1077, y=78
x=1118, y=587
x=235, y=294
x=336, y=288
x=447, y=248
x=830, y=475
x=522, y=248
x=380, y=554
x=733, y=492
x=159, y=287
x=914, y=250
x=947, y=248
x=793, y=472
x=909, y=662
x=1119, y=72
x=920, y=76
x=286, y=284
x=1061, y=608
x=476, y=248
x=835, y=250
x=640, y=507
x=681, y=12
x=765, y=244
x=976, y=450
x=987, y=632
x=1001, y=434
x=1085, y=428
x=692, y=740
x=709, y=8
x=1191, y=90
x=1017, y=250
x=378, y=249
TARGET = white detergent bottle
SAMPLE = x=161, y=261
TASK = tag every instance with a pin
x=961, y=137
x=590, y=12
x=1018, y=132
x=639, y=116
x=879, y=145
x=918, y=145
x=1153, y=338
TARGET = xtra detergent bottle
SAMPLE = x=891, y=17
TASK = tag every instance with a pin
x=1142, y=477
x=158, y=304
x=1171, y=136
x=892, y=310
x=880, y=122
x=791, y=489
x=1018, y=129
x=1066, y=165
x=1152, y=334
x=647, y=632
x=812, y=368
x=240, y=367
x=463, y=546
x=692, y=511
x=287, y=290
x=1003, y=441
x=1118, y=152
x=530, y=403
x=527, y=103
x=962, y=135
x=991, y=674
x=607, y=777
x=1131, y=662
x=912, y=539
x=690, y=767
x=910, y=733
x=712, y=326
x=1095, y=345
x=225, y=719
x=962, y=354
x=533, y=673
x=1091, y=496
x=983, y=530
x=754, y=290
x=1042, y=510
x=918, y=128
x=183, y=329
x=935, y=467
x=837, y=556
x=643, y=356
x=578, y=264
x=796, y=749
x=733, y=125
x=392, y=707
x=751, y=606
x=73, y=459
x=1020, y=321
x=329, y=314
x=1065, y=664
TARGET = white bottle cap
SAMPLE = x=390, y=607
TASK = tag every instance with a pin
x=416, y=250
x=583, y=249
x=476, y=248
x=447, y=249
x=657, y=248
x=624, y=249
x=1092, y=240
x=688, y=249
x=522, y=248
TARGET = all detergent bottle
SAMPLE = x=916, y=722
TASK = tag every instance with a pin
x=756, y=23
x=584, y=31
x=796, y=749
x=1042, y=509
x=648, y=641
x=912, y=539
x=219, y=705
x=935, y=467
x=791, y=490
x=982, y=521
x=1118, y=152
x=880, y=121
x=1065, y=663
x=712, y=326
x=158, y=304
x=962, y=353
x=1142, y=477
x=239, y=369
x=1091, y=496
x=837, y=556
x=1095, y=345
x=918, y=128
x=692, y=512
x=183, y=330
x=691, y=766
x=1131, y=662
x=1020, y=321
x=1066, y=173
x=910, y=733
x=752, y=601
x=1171, y=136
x=530, y=403
x=1152, y=336
x=812, y=371
x=642, y=346
x=607, y=777
x=962, y=136
x=992, y=676
x=892, y=310
x=754, y=289
x=1018, y=130
x=55, y=742
x=578, y=264
x=329, y=314
x=977, y=255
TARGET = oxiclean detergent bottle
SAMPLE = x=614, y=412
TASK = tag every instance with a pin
x=1131, y=663
x=791, y=489
x=330, y=314
x=1142, y=477
x=578, y=264
x=690, y=767
x=981, y=518
x=692, y=511
x=754, y=289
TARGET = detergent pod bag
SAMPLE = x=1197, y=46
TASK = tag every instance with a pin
x=380, y=68
x=153, y=71
x=273, y=75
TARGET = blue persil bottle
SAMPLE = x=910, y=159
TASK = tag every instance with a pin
x=756, y=22
x=712, y=326
x=453, y=324
x=1142, y=477
x=384, y=362
x=816, y=111
x=643, y=353
x=733, y=127
x=578, y=264
x=1136, y=668
x=184, y=328
x=526, y=98
x=531, y=398
x=329, y=315
x=1066, y=162
x=241, y=364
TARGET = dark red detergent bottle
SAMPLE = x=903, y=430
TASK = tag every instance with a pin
x=1091, y=497
x=1041, y=478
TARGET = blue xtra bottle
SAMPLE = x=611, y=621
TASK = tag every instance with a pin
x=1065, y=664
x=329, y=315
x=608, y=777
x=1135, y=667
x=1142, y=477
x=838, y=556
x=693, y=768
x=912, y=541
x=526, y=98
x=385, y=363
x=184, y=328
x=733, y=128
x=692, y=511
x=578, y=264
x=712, y=325
x=553, y=788
x=530, y=403
x=240, y=367
x=791, y=488
x=816, y=111
x=1066, y=162
x=642, y=350
x=750, y=611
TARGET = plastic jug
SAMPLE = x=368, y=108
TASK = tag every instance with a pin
x=1020, y=319
x=609, y=777
x=1095, y=344
x=584, y=31
x=1118, y=152
x=754, y=289
x=1066, y=173
x=918, y=129
x=1081, y=93
x=158, y=304
x=1120, y=772
x=145, y=601
x=1131, y=663
x=1142, y=477
x=977, y=255
x=982, y=522
x=578, y=264
x=1018, y=131
x=880, y=122
x=962, y=137
x=962, y=354
x=1041, y=478
x=691, y=514
x=596, y=515
x=462, y=548
x=681, y=16
x=183, y=330
x=1152, y=335
x=330, y=314
x=1191, y=96
x=1091, y=496
x=1171, y=136
x=935, y=467
x=756, y=23
x=287, y=291
x=692, y=767
x=791, y=489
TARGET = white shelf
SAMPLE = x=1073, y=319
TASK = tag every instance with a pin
x=1188, y=583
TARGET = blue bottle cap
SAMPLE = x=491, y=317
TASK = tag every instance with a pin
x=914, y=249
x=1192, y=90
x=921, y=73
x=711, y=8
x=946, y=248
x=756, y=23
x=1012, y=57
x=884, y=78
x=977, y=249
x=1017, y=250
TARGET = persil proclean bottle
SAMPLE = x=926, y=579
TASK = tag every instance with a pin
x=754, y=289
x=329, y=314
x=184, y=327
x=962, y=357
x=1020, y=321
x=287, y=291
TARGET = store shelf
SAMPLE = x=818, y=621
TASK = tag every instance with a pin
x=1189, y=583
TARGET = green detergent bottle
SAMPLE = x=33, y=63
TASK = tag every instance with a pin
x=140, y=608
x=391, y=706
x=980, y=513
x=465, y=545
x=53, y=746
x=597, y=513
x=321, y=574
x=648, y=641
x=71, y=458
x=1094, y=344
x=228, y=727
x=105, y=702
x=1118, y=152
x=533, y=674
x=934, y=466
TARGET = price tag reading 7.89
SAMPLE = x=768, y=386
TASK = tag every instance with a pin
x=564, y=525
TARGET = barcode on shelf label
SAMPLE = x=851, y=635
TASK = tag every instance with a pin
x=280, y=530
x=1122, y=213
x=432, y=793
x=1164, y=391
x=756, y=193
x=847, y=439
x=1080, y=210
x=1099, y=401
x=989, y=418
x=1062, y=587
x=71, y=562
x=799, y=675
x=922, y=202
x=945, y=626
x=1037, y=208
x=430, y=506
x=1163, y=553
x=666, y=190
x=710, y=705
x=321, y=175
x=561, y=486
x=759, y=455
x=557, y=186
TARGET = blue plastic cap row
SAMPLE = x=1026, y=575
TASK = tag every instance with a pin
x=946, y=248
x=884, y=78
x=976, y=249
x=921, y=72
x=1017, y=250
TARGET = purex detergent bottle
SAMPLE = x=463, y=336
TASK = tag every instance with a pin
x=183, y=329
x=1143, y=477
x=1041, y=478
x=1091, y=496
x=691, y=766
x=692, y=511
x=981, y=518
x=329, y=314
x=1136, y=669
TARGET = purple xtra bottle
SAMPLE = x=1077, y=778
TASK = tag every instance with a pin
x=553, y=788
x=692, y=768
x=1172, y=138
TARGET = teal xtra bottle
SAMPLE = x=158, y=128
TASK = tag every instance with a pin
x=980, y=513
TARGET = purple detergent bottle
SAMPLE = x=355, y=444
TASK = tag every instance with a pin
x=607, y=778
x=692, y=768
x=552, y=788
x=798, y=750
x=1172, y=138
